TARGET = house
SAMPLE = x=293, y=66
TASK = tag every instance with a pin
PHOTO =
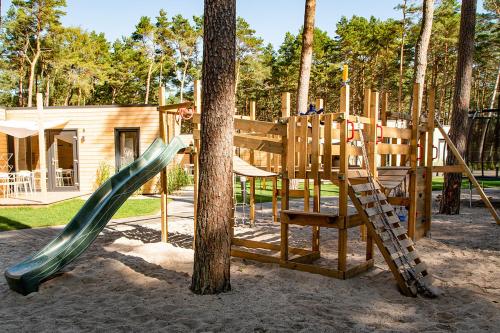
x=80, y=141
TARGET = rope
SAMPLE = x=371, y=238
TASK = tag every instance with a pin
x=409, y=274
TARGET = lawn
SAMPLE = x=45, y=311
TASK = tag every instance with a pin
x=437, y=183
x=61, y=213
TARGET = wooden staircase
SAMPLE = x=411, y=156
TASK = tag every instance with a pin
x=390, y=236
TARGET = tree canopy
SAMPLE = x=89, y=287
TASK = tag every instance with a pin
x=72, y=66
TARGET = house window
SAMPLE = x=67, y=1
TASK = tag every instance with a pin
x=126, y=146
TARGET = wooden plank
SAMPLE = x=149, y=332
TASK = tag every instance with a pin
x=413, y=160
x=261, y=127
x=290, y=163
x=302, y=149
x=315, y=146
x=429, y=160
x=351, y=272
x=366, y=199
x=327, y=154
x=372, y=211
x=396, y=133
x=366, y=187
x=175, y=107
x=266, y=144
x=163, y=173
x=393, y=149
x=469, y=174
x=254, y=256
x=343, y=183
x=310, y=219
x=313, y=269
x=254, y=244
x=306, y=258
x=448, y=168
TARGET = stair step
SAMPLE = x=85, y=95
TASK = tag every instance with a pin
x=366, y=199
x=378, y=209
x=365, y=187
x=311, y=218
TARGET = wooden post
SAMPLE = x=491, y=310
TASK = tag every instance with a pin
x=429, y=160
x=163, y=174
x=252, y=200
x=196, y=169
x=383, y=118
x=285, y=105
x=317, y=180
x=285, y=182
x=275, y=199
x=412, y=214
x=366, y=113
x=372, y=157
x=41, y=147
x=343, y=180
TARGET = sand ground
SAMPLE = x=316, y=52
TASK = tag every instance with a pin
x=129, y=282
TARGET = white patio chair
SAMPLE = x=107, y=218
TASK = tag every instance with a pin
x=24, y=181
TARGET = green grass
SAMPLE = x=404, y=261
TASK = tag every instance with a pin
x=61, y=213
x=327, y=190
x=437, y=183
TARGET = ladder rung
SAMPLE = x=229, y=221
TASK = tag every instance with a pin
x=412, y=255
x=366, y=187
x=406, y=242
x=366, y=199
x=378, y=209
x=421, y=267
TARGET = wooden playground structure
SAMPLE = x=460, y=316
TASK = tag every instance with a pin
x=374, y=165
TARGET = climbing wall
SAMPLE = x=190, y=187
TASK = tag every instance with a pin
x=390, y=236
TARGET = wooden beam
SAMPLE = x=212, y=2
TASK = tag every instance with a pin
x=429, y=159
x=343, y=181
x=469, y=174
x=41, y=146
x=261, y=127
x=163, y=173
x=412, y=214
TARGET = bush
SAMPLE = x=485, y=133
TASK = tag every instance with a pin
x=103, y=173
x=176, y=179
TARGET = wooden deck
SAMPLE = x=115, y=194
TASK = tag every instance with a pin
x=36, y=198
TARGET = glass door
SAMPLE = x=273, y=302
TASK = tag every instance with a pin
x=63, y=160
x=126, y=146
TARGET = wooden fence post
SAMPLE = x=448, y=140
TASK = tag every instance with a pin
x=163, y=174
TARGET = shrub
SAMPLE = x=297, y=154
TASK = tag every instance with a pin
x=176, y=179
x=104, y=172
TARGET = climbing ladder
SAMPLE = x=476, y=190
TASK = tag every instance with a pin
x=390, y=236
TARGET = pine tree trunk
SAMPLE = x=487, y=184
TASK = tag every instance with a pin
x=422, y=48
x=401, y=59
x=450, y=203
x=211, y=272
x=47, y=91
x=148, y=83
x=32, y=78
x=306, y=56
x=495, y=89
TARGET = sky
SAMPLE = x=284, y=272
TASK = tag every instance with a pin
x=270, y=18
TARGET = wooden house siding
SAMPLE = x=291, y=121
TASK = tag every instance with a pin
x=96, y=133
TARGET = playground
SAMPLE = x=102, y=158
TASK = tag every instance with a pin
x=342, y=208
x=129, y=280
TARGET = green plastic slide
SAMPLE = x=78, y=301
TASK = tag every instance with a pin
x=83, y=229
